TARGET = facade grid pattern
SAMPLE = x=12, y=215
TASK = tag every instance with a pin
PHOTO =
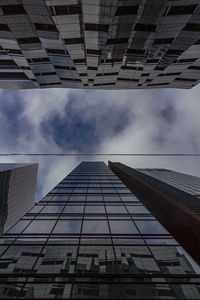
x=91, y=238
x=99, y=44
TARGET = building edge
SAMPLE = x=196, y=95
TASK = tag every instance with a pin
x=179, y=220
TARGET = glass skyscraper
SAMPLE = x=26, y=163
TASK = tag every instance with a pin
x=99, y=44
x=92, y=238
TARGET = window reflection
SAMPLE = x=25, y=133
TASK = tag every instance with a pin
x=95, y=227
x=116, y=209
x=73, y=209
x=151, y=227
x=126, y=227
x=40, y=226
x=95, y=209
x=19, y=227
x=67, y=226
x=52, y=209
x=137, y=209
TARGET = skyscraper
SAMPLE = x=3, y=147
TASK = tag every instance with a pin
x=92, y=238
x=107, y=44
x=172, y=197
x=17, y=192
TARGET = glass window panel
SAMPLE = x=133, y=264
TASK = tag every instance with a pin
x=135, y=259
x=36, y=209
x=52, y=209
x=96, y=291
x=60, y=198
x=95, y=227
x=126, y=227
x=94, y=198
x=128, y=241
x=116, y=209
x=112, y=198
x=137, y=209
x=123, y=190
x=131, y=198
x=77, y=198
x=151, y=227
x=103, y=255
x=108, y=191
x=69, y=209
x=68, y=226
x=47, y=291
x=96, y=209
x=19, y=259
x=161, y=241
x=44, y=226
x=19, y=227
x=57, y=258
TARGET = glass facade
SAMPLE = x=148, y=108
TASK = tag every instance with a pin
x=91, y=238
x=107, y=44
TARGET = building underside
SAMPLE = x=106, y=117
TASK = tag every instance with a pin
x=99, y=44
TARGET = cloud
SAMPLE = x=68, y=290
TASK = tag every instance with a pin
x=76, y=121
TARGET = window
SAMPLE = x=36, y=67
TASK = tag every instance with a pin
x=94, y=51
x=72, y=41
x=180, y=10
x=29, y=40
x=137, y=210
x=163, y=41
x=185, y=60
x=175, y=52
x=96, y=27
x=132, y=68
x=186, y=79
x=95, y=227
x=192, y=27
x=150, y=227
x=67, y=226
x=45, y=27
x=13, y=75
x=136, y=51
x=13, y=9
x=127, y=79
x=69, y=209
x=95, y=209
x=145, y=27
x=169, y=74
x=50, y=209
x=114, y=209
x=194, y=68
x=4, y=27
x=127, y=10
x=123, y=227
x=19, y=227
x=107, y=74
x=45, y=74
x=117, y=41
x=65, y=10
x=40, y=227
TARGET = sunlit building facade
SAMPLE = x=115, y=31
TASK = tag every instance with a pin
x=104, y=44
x=92, y=238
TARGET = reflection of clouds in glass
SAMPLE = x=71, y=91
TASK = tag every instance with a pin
x=19, y=227
x=151, y=227
x=52, y=209
x=40, y=227
x=73, y=209
x=98, y=209
x=112, y=209
x=67, y=226
x=95, y=227
x=126, y=227
x=137, y=209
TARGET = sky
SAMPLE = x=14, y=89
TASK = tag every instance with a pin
x=97, y=121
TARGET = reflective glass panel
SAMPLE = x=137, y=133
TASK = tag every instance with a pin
x=44, y=226
x=68, y=226
x=19, y=227
x=137, y=209
x=151, y=227
x=95, y=227
x=73, y=209
x=116, y=209
x=96, y=209
x=126, y=227
x=52, y=209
